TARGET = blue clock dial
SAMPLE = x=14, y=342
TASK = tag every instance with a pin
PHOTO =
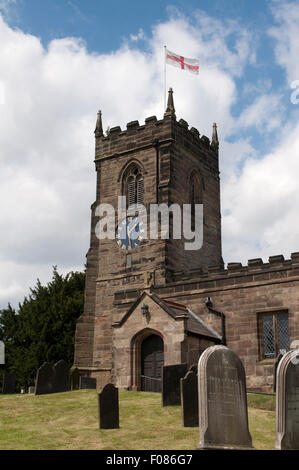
x=130, y=233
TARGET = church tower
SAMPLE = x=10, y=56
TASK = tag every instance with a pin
x=161, y=161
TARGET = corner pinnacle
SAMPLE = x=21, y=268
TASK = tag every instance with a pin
x=99, y=127
x=215, y=135
x=170, y=111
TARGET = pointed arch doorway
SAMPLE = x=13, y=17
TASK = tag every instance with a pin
x=152, y=361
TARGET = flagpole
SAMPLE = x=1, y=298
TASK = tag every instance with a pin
x=164, y=79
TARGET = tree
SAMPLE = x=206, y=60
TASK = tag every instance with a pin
x=43, y=329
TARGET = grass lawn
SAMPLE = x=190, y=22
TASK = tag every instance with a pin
x=70, y=421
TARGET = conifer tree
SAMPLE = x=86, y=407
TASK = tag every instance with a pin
x=43, y=328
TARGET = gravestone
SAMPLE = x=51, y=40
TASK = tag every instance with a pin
x=9, y=383
x=287, y=402
x=31, y=389
x=45, y=379
x=189, y=399
x=87, y=382
x=108, y=407
x=62, y=377
x=277, y=360
x=223, y=419
x=171, y=375
x=75, y=379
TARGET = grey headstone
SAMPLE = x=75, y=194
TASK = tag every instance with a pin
x=45, y=379
x=287, y=402
x=31, y=389
x=108, y=407
x=9, y=383
x=75, y=379
x=87, y=382
x=189, y=399
x=223, y=418
x=171, y=375
x=277, y=360
x=62, y=377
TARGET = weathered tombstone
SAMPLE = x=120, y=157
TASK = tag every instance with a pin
x=45, y=379
x=287, y=402
x=9, y=383
x=171, y=375
x=31, y=389
x=108, y=407
x=189, y=399
x=87, y=382
x=223, y=418
x=277, y=360
x=75, y=379
x=62, y=377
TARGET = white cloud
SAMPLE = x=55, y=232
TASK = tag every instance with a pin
x=286, y=34
x=139, y=36
x=263, y=205
x=261, y=202
x=265, y=113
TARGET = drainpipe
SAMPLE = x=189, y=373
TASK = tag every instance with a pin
x=221, y=315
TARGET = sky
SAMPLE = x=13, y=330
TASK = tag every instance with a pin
x=61, y=61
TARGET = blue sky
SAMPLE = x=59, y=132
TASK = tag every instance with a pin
x=62, y=60
x=104, y=25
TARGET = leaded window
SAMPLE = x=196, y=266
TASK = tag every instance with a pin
x=274, y=334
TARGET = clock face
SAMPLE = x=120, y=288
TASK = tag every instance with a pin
x=130, y=233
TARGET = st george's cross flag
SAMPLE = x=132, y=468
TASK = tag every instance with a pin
x=192, y=65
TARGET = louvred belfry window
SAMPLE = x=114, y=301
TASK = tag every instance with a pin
x=139, y=187
x=133, y=186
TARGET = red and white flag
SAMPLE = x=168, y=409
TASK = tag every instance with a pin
x=192, y=65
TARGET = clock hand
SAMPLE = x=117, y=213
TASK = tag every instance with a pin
x=133, y=228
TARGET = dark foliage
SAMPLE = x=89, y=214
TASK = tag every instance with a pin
x=43, y=328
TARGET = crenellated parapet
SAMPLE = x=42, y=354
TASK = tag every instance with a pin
x=154, y=132
x=277, y=268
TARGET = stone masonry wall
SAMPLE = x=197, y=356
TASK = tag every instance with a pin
x=242, y=293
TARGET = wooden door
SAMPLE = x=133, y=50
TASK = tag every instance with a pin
x=152, y=360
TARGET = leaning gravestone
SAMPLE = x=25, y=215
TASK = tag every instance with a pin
x=287, y=402
x=62, y=377
x=9, y=383
x=171, y=375
x=75, y=379
x=87, y=382
x=223, y=419
x=45, y=379
x=189, y=399
x=108, y=407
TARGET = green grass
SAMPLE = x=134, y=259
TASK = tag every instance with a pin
x=262, y=402
x=70, y=421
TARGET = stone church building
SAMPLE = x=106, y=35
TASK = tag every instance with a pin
x=156, y=303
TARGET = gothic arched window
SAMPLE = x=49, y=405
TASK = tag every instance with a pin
x=133, y=185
